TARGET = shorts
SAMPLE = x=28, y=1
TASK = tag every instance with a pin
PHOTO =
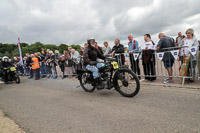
x=168, y=64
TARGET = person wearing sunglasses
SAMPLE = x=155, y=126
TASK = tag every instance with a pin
x=189, y=42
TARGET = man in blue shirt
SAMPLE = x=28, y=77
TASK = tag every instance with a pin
x=168, y=59
x=133, y=47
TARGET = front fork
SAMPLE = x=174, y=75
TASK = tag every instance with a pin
x=121, y=76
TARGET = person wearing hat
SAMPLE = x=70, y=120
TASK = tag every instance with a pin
x=90, y=56
x=5, y=66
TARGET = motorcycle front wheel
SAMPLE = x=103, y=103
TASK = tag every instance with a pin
x=17, y=79
x=126, y=82
x=86, y=82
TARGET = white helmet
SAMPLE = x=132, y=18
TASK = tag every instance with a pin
x=5, y=58
x=90, y=39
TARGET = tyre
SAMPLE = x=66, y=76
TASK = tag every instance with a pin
x=126, y=82
x=86, y=82
x=17, y=80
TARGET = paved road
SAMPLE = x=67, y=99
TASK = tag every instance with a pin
x=57, y=106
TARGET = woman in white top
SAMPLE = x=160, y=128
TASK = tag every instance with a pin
x=188, y=42
x=148, y=58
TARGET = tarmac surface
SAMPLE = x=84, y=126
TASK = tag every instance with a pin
x=57, y=106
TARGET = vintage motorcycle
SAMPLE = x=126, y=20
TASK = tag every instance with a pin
x=123, y=79
x=12, y=75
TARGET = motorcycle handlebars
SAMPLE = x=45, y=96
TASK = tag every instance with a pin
x=109, y=59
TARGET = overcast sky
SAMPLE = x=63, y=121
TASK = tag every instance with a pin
x=73, y=21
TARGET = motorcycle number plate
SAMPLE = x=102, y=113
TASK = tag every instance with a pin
x=12, y=69
x=115, y=64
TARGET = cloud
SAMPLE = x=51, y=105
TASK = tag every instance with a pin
x=72, y=22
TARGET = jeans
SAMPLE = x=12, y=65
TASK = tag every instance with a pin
x=94, y=69
x=21, y=69
x=43, y=70
x=37, y=73
x=62, y=68
x=191, y=69
x=54, y=71
x=26, y=71
x=17, y=69
x=31, y=72
x=48, y=68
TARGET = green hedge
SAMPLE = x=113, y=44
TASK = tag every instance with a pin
x=11, y=50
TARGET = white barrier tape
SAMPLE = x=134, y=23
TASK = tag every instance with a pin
x=136, y=55
x=193, y=50
x=175, y=54
x=160, y=55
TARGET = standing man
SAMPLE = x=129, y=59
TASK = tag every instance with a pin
x=57, y=62
x=75, y=57
x=148, y=58
x=53, y=64
x=36, y=67
x=98, y=48
x=48, y=65
x=118, y=49
x=179, y=39
x=26, y=70
x=133, y=46
x=108, y=49
x=69, y=49
x=168, y=59
x=16, y=61
x=85, y=45
x=28, y=65
x=74, y=54
x=43, y=65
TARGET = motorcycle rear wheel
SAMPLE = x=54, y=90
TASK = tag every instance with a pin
x=85, y=84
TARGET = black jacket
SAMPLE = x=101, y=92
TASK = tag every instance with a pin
x=41, y=58
x=1, y=66
x=7, y=64
x=148, y=56
x=91, y=54
x=28, y=61
x=100, y=50
x=118, y=49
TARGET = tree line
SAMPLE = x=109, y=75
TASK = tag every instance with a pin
x=12, y=50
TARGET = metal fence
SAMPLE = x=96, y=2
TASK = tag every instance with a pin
x=184, y=67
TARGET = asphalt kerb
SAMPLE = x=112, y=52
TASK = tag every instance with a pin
x=8, y=126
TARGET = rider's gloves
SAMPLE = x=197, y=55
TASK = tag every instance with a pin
x=93, y=62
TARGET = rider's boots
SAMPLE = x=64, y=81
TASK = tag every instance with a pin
x=99, y=84
x=5, y=80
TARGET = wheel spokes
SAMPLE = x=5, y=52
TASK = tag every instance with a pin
x=86, y=84
x=131, y=83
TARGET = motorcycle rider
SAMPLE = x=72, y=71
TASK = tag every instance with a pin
x=90, y=56
x=5, y=66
